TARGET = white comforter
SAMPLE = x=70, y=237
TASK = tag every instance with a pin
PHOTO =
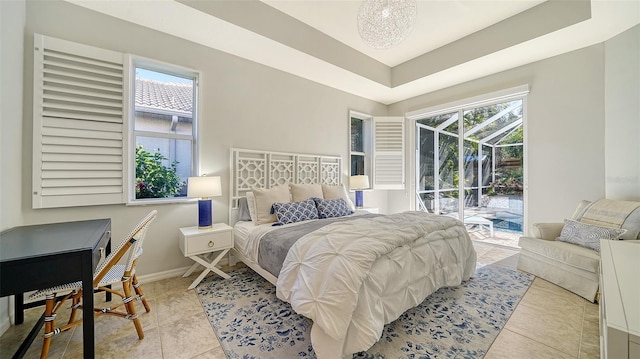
x=351, y=278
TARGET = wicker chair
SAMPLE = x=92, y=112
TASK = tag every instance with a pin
x=108, y=273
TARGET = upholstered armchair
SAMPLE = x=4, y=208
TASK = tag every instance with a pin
x=567, y=254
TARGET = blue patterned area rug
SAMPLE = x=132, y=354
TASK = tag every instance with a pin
x=461, y=322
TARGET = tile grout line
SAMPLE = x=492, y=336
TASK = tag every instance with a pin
x=66, y=348
x=157, y=320
x=539, y=342
x=559, y=349
x=584, y=312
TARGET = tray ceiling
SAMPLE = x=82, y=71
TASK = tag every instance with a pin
x=452, y=42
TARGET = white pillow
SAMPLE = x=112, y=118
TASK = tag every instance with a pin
x=251, y=203
x=335, y=192
x=301, y=192
x=264, y=200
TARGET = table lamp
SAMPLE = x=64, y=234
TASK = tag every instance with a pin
x=204, y=188
x=359, y=183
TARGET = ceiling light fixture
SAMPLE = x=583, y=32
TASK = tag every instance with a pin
x=385, y=23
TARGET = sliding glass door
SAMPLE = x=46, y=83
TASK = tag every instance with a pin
x=470, y=164
x=438, y=170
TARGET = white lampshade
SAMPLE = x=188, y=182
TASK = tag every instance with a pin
x=359, y=182
x=203, y=187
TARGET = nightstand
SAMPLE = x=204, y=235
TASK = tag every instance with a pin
x=367, y=210
x=199, y=244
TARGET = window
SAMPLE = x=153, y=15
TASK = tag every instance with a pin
x=360, y=144
x=377, y=149
x=94, y=127
x=164, y=127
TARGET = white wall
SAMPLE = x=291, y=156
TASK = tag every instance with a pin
x=244, y=105
x=622, y=111
x=564, y=129
x=12, y=22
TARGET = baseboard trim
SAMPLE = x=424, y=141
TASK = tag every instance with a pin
x=5, y=324
x=172, y=273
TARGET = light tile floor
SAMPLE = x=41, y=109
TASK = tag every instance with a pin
x=549, y=322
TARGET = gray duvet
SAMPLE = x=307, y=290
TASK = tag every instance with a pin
x=275, y=245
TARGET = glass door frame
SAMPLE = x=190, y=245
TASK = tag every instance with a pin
x=516, y=93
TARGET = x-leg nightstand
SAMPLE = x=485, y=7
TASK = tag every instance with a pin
x=200, y=244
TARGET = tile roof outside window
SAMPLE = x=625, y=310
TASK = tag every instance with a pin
x=164, y=96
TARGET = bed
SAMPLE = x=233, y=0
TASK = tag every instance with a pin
x=350, y=273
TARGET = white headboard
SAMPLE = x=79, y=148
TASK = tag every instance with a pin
x=263, y=169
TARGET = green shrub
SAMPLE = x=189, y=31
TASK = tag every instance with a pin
x=509, y=182
x=153, y=179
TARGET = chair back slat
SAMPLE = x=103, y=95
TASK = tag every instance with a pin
x=133, y=239
x=136, y=251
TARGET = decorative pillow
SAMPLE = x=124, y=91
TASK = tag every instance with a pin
x=244, y=214
x=265, y=198
x=251, y=203
x=335, y=192
x=587, y=235
x=301, y=192
x=329, y=208
x=291, y=212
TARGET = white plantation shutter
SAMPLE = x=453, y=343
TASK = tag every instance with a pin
x=78, y=113
x=388, y=153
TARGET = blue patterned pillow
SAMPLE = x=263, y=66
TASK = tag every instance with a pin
x=587, y=235
x=291, y=212
x=329, y=208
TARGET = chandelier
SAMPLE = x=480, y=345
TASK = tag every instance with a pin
x=385, y=23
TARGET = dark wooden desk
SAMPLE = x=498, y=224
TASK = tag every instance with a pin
x=41, y=256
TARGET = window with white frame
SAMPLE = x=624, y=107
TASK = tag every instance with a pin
x=164, y=130
x=103, y=137
x=360, y=144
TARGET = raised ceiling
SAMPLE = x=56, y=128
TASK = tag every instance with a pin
x=438, y=23
x=452, y=42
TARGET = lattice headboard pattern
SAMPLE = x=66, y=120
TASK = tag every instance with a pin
x=262, y=169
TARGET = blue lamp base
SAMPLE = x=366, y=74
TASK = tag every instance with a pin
x=204, y=213
x=359, y=200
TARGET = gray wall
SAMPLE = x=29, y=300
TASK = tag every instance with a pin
x=12, y=22
x=622, y=111
x=244, y=105
x=564, y=129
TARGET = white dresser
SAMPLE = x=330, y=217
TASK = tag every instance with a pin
x=620, y=299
